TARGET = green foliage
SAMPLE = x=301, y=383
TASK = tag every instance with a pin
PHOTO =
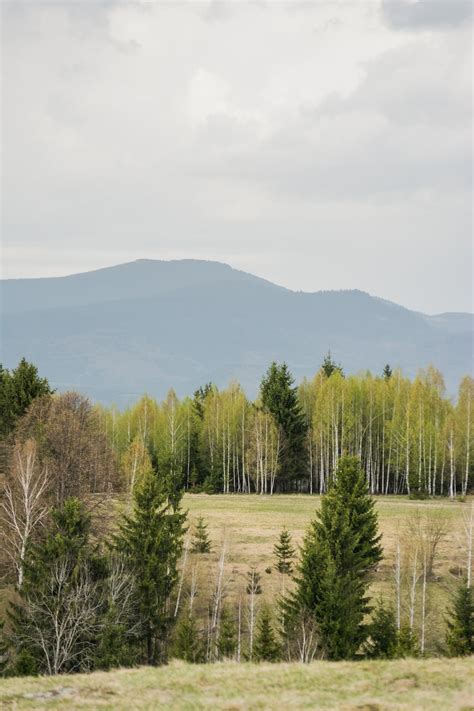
x=18, y=389
x=188, y=644
x=382, y=631
x=387, y=372
x=227, y=642
x=200, y=541
x=280, y=399
x=266, y=647
x=340, y=551
x=284, y=553
x=53, y=622
x=407, y=644
x=329, y=366
x=460, y=625
x=150, y=541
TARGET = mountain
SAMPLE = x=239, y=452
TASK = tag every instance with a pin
x=149, y=325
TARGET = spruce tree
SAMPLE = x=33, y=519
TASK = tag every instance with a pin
x=329, y=366
x=266, y=647
x=151, y=542
x=284, y=553
x=18, y=389
x=460, y=625
x=55, y=619
x=3, y=649
x=383, y=636
x=340, y=551
x=188, y=644
x=407, y=644
x=280, y=398
x=201, y=542
x=227, y=642
x=387, y=372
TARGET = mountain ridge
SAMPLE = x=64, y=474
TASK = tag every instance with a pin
x=149, y=325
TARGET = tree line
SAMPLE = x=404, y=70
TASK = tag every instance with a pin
x=409, y=436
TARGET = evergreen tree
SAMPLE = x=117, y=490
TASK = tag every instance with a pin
x=151, y=542
x=227, y=642
x=284, y=553
x=188, y=644
x=460, y=632
x=407, y=645
x=201, y=542
x=280, y=399
x=266, y=647
x=387, y=372
x=3, y=649
x=340, y=551
x=383, y=636
x=18, y=389
x=329, y=366
x=54, y=622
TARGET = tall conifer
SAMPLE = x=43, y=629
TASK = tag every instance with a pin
x=340, y=551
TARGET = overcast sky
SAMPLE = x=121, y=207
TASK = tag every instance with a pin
x=322, y=145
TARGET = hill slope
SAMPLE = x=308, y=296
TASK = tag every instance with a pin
x=149, y=325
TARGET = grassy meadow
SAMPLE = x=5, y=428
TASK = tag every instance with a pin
x=406, y=685
x=250, y=524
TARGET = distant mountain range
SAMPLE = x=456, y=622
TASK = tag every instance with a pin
x=149, y=325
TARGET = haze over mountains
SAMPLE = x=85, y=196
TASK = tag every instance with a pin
x=149, y=325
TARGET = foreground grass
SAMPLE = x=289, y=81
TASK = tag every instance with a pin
x=346, y=686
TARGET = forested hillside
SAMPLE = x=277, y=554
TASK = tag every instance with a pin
x=116, y=333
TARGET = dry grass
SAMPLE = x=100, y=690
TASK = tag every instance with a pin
x=250, y=525
x=346, y=686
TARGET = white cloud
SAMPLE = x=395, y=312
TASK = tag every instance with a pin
x=302, y=141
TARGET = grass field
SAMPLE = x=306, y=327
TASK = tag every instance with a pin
x=346, y=686
x=250, y=524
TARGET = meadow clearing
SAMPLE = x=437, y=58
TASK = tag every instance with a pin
x=398, y=685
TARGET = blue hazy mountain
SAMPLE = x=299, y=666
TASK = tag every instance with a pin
x=150, y=325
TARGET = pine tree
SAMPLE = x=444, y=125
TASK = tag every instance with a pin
x=18, y=389
x=3, y=649
x=188, y=644
x=329, y=366
x=387, y=372
x=151, y=542
x=227, y=642
x=266, y=647
x=284, y=553
x=280, y=399
x=460, y=632
x=54, y=621
x=407, y=645
x=201, y=542
x=340, y=551
x=383, y=635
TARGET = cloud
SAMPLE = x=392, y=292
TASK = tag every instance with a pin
x=299, y=143
x=418, y=15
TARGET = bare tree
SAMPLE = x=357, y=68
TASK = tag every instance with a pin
x=61, y=620
x=24, y=503
x=253, y=589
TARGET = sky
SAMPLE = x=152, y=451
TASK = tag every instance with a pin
x=321, y=145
